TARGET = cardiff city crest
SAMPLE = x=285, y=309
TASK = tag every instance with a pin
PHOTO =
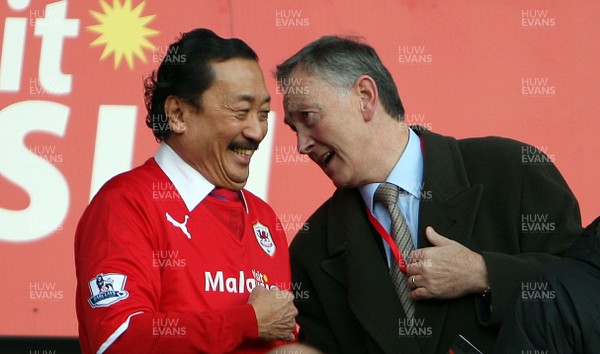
x=263, y=236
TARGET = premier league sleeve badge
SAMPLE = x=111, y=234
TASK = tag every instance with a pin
x=107, y=289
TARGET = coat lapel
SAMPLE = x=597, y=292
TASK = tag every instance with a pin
x=357, y=262
x=451, y=204
x=450, y=209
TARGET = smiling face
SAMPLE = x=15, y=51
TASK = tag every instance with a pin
x=330, y=128
x=219, y=139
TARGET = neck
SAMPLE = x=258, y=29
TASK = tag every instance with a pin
x=392, y=138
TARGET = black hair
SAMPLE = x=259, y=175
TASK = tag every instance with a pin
x=186, y=72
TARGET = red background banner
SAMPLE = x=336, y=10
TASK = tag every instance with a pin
x=72, y=114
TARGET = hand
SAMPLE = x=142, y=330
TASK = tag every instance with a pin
x=275, y=313
x=446, y=270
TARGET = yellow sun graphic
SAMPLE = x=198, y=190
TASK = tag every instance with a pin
x=122, y=31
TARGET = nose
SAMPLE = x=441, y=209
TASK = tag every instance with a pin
x=255, y=128
x=305, y=143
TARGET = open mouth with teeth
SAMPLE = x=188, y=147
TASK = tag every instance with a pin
x=244, y=152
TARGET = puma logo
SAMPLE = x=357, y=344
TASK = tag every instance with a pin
x=181, y=225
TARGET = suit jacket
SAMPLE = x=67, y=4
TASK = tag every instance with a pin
x=499, y=197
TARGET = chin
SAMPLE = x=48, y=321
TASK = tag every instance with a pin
x=237, y=177
x=239, y=184
x=344, y=183
x=340, y=184
x=233, y=183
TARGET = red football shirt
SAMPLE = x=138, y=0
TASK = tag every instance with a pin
x=164, y=266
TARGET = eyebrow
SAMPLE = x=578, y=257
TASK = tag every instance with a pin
x=297, y=107
x=251, y=98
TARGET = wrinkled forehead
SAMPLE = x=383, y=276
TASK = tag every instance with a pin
x=240, y=79
x=293, y=102
x=299, y=89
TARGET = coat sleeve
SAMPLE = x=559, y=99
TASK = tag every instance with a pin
x=542, y=318
x=115, y=240
x=307, y=251
x=315, y=329
x=557, y=310
x=547, y=223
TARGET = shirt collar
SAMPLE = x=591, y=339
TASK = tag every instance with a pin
x=406, y=174
x=190, y=184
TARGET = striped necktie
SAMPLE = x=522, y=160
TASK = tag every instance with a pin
x=387, y=194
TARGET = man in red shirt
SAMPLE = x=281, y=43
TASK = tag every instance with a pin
x=175, y=256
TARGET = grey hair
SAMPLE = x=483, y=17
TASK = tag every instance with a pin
x=340, y=62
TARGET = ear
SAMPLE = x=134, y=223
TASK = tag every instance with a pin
x=174, y=109
x=366, y=88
